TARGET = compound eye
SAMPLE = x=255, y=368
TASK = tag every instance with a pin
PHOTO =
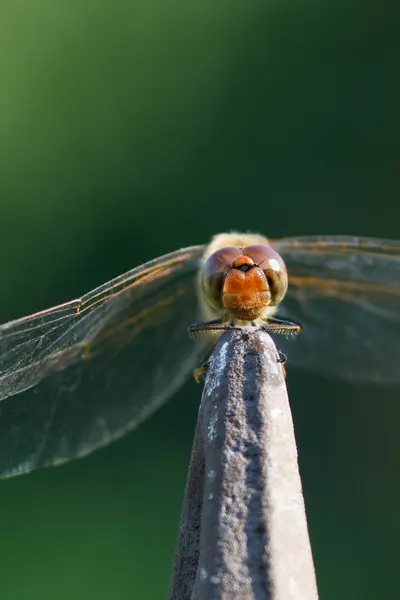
x=214, y=272
x=274, y=270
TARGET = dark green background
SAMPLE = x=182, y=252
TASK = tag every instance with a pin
x=129, y=129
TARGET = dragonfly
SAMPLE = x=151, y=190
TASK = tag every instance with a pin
x=77, y=376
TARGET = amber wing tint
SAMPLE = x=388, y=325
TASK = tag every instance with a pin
x=345, y=292
x=79, y=375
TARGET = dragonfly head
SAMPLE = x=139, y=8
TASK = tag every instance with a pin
x=243, y=282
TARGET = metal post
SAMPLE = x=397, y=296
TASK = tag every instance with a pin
x=243, y=532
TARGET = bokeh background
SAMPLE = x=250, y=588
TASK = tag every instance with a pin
x=129, y=129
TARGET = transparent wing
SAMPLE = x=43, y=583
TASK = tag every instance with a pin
x=79, y=375
x=345, y=292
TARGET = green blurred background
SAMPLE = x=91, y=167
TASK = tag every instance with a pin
x=129, y=129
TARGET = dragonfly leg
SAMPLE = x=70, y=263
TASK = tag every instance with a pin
x=282, y=358
x=210, y=332
x=201, y=372
x=283, y=326
x=210, y=329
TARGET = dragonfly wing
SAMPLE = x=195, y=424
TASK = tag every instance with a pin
x=76, y=379
x=345, y=293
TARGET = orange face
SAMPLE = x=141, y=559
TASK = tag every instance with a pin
x=243, y=282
